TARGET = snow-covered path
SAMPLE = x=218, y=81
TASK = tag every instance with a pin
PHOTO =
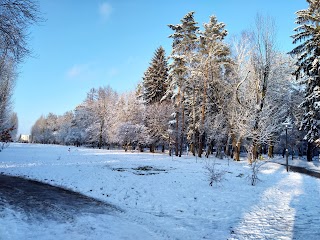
x=32, y=210
x=170, y=198
x=282, y=212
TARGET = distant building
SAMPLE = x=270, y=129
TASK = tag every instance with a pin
x=25, y=138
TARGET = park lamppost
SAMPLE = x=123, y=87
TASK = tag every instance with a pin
x=287, y=124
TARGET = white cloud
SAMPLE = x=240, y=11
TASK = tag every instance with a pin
x=113, y=72
x=77, y=70
x=105, y=10
x=91, y=71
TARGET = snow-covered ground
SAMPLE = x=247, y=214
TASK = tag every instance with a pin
x=164, y=197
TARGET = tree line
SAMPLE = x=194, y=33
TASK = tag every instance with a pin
x=208, y=95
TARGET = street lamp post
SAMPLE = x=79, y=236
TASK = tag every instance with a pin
x=287, y=124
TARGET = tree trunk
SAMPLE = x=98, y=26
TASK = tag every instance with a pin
x=140, y=148
x=182, y=135
x=182, y=127
x=100, y=136
x=192, y=149
x=300, y=152
x=203, y=113
x=236, y=153
x=228, y=151
x=194, y=144
x=209, y=149
x=265, y=149
x=309, y=152
x=152, y=148
x=219, y=152
x=260, y=150
x=169, y=146
x=201, y=140
x=254, y=153
x=177, y=134
x=270, y=150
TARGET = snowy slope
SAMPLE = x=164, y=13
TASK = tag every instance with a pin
x=165, y=197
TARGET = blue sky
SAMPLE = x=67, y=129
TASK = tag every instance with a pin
x=91, y=43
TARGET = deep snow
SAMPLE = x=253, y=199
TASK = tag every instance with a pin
x=164, y=197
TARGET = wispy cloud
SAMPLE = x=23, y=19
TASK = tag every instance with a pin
x=105, y=10
x=77, y=70
x=112, y=72
x=91, y=71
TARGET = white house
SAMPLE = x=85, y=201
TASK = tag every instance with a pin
x=25, y=138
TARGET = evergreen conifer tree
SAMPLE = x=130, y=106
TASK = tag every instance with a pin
x=155, y=78
x=308, y=57
x=185, y=43
x=214, y=62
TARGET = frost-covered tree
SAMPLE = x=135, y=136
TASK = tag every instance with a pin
x=241, y=51
x=214, y=64
x=185, y=42
x=15, y=18
x=64, y=128
x=262, y=91
x=130, y=119
x=155, y=78
x=87, y=119
x=252, y=90
x=155, y=87
x=279, y=97
x=14, y=123
x=53, y=127
x=7, y=82
x=94, y=116
x=132, y=135
x=157, y=119
x=77, y=134
x=262, y=59
x=307, y=37
x=176, y=90
x=41, y=132
x=9, y=133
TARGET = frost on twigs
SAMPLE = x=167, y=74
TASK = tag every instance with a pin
x=215, y=175
x=5, y=138
x=255, y=169
x=3, y=145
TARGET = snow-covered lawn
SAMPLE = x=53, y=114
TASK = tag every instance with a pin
x=165, y=197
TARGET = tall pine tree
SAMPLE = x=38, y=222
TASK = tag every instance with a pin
x=308, y=57
x=185, y=43
x=155, y=78
x=214, y=58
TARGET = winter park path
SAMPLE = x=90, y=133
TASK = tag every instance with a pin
x=303, y=170
x=277, y=215
x=42, y=201
x=34, y=210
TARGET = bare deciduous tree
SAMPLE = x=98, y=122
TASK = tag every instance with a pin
x=15, y=18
